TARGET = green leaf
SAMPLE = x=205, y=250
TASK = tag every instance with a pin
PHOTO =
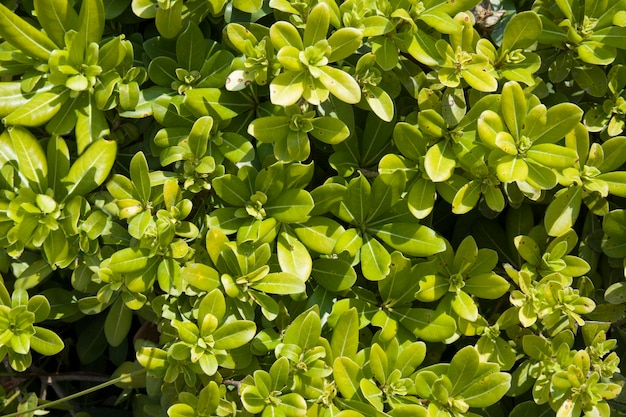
x=375, y=259
x=280, y=283
x=130, y=260
x=285, y=34
x=199, y=136
x=409, y=140
x=293, y=405
x=440, y=161
x=305, y=330
x=118, y=322
x=291, y=206
x=528, y=249
x=464, y=306
x=234, y=334
x=343, y=43
x=316, y=25
x=169, y=19
x=372, y=393
x=410, y=238
x=560, y=120
x=553, y=156
x=24, y=36
x=426, y=324
x=347, y=374
x=487, y=390
x=91, y=125
x=422, y=47
x=140, y=175
x=57, y=17
x=592, y=80
x=489, y=125
x=162, y=71
x=512, y=168
x=466, y=197
x=11, y=97
x=319, y=234
x=616, y=182
x=191, y=48
x=217, y=103
x=380, y=102
x=521, y=31
x=614, y=154
x=386, y=191
x=40, y=108
x=181, y=410
x=293, y=256
x=46, y=342
x=355, y=205
x=386, y=53
x=39, y=306
x=200, y=276
x=269, y=129
x=614, y=36
x=236, y=148
x=513, y=107
x=91, y=168
x=421, y=198
x=329, y=130
x=345, y=337
x=339, y=83
x=375, y=26
x=91, y=18
x=238, y=35
x=463, y=367
x=232, y=190
x=31, y=157
x=563, y=211
x=333, y=274
x=287, y=88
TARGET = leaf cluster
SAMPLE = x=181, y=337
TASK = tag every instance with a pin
x=314, y=208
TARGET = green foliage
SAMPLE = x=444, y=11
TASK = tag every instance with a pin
x=321, y=208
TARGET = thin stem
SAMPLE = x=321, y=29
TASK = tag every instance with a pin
x=78, y=394
x=66, y=376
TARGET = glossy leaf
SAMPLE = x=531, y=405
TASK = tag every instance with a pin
x=333, y=274
x=375, y=260
x=92, y=168
x=317, y=24
x=560, y=120
x=31, y=158
x=57, y=17
x=521, y=31
x=563, y=211
x=140, y=175
x=46, y=342
x=293, y=256
x=291, y=206
x=345, y=338
x=91, y=18
x=39, y=109
x=24, y=36
x=234, y=334
x=340, y=84
x=343, y=43
x=281, y=283
x=287, y=88
x=117, y=323
x=513, y=107
x=411, y=238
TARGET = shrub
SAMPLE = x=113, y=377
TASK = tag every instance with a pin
x=312, y=208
